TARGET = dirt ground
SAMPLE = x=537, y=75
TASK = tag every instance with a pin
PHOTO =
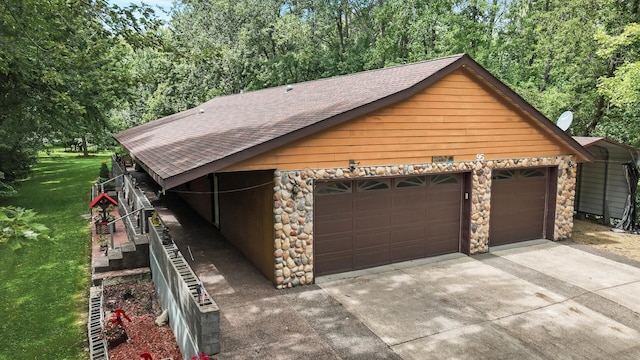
x=601, y=237
x=138, y=300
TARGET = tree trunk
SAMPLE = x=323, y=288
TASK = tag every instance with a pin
x=340, y=30
x=545, y=76
x=85, y=151
x=382, y=34
x=597, y=116
x=600, y=102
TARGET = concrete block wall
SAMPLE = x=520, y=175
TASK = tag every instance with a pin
x=195, y=319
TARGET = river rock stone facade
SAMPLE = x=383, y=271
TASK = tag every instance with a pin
x=293, y=205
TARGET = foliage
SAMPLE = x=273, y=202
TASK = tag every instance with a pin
x=58, y=190
x=113, y=330
x=61, y=72
x=623, y=89
x=104, y=170
x=5, y=188
x=18, y=227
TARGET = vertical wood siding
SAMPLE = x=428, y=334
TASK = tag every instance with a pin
x=246, y=216
x=455, y=116
x=195, y=193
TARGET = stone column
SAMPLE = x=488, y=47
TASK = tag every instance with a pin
x=293, y=243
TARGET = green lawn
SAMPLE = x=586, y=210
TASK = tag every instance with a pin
x=43, y=288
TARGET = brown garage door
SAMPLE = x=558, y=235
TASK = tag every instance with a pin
x=518, y=205
x=364, y=223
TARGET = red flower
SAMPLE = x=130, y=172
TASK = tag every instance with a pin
x=145, y=356
x=200, y=357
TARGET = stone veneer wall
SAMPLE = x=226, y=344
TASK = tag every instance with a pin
x=293, y=206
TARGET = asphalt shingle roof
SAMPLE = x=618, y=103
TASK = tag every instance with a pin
x=228, y=129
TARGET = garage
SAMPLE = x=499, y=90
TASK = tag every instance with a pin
x=519, y=205
x=371, y=222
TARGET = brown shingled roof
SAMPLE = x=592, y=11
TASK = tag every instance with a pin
x=225, y=130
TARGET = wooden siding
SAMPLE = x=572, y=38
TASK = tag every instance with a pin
x=455, y=116
x=246, y=216
x=196, y=194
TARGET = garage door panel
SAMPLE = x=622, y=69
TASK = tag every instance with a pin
x=408, y=251
x=372, y=221
x=334, y=243
x=380, y=200
x=332, y=263
x=449, y=229
x=518, y=205
x=408, y=198
x=408, y=216
x=332, y=224
x=444, y=214
x=370, y=257
x=441, y=246
x=362, y=240
x=408, y=234
x=334, y=204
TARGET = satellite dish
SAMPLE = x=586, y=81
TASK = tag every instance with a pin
x=564, y=121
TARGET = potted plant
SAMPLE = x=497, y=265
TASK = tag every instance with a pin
x=114, y=331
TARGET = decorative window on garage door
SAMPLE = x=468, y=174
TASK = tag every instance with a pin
x=369, y=185
x=443, y=179
x=503, y=174
x=531, y=173
x=335, y=187
x=408, y=182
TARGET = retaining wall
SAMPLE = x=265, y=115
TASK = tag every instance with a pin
x=194, y=317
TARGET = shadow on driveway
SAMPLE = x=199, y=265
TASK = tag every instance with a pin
x=256, y=320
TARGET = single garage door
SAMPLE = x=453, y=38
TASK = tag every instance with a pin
x=518, y=205
x=365, y=223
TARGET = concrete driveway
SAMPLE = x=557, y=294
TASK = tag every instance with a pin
x=540, y=301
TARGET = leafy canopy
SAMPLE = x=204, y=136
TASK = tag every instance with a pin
x=18, y=227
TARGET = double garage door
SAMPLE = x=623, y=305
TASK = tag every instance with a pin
x=370, y=222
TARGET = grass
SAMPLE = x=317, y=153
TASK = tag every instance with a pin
x=44, y=287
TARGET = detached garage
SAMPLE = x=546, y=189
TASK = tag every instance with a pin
x=367, y=169
x=602, y=187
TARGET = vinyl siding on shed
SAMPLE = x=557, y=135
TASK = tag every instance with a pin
x=457, y=116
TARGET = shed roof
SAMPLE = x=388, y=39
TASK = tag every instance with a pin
x=612, y=146
x=587, y=141
x=228, y=129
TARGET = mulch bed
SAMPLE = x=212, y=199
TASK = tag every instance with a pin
x=138, y=300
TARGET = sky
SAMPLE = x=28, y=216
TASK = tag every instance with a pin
x=164, y=4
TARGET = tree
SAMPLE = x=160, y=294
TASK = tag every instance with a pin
x=60, y=72
x=622, y=89
x=18, y=228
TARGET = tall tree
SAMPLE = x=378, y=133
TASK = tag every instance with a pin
x=60, y=71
